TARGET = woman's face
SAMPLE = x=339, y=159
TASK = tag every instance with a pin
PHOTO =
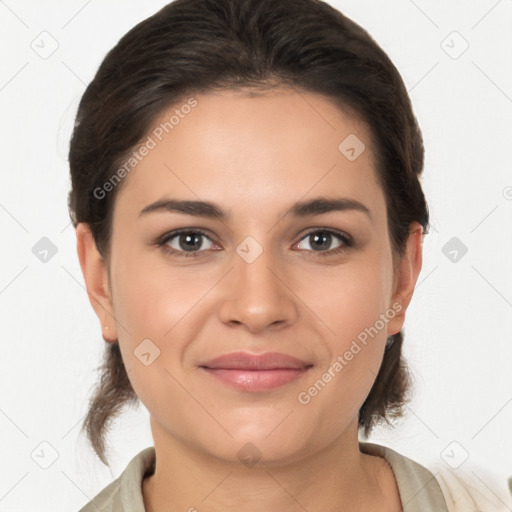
x=273, y=270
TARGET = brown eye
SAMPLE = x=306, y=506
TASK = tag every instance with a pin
x=322, y=241
x=186, y=243
x=190, y=242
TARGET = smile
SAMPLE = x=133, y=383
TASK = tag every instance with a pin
x=256, y=380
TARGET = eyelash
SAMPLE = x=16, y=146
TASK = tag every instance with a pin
x=162, y=242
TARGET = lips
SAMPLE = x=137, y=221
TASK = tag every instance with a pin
x=255, y=372
x=267, y=361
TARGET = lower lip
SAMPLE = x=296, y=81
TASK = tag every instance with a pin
x=256, y=380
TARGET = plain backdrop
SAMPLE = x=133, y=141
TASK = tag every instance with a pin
x=455, y=59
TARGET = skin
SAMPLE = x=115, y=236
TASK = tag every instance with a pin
x=255, y=157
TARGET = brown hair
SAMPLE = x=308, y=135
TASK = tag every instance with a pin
x=194, y=46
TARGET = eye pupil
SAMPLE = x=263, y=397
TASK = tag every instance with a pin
x=188, y=241
x=322, y=241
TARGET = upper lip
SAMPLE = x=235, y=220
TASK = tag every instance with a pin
x=246, y=361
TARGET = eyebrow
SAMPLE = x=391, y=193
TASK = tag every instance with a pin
x=210, y=210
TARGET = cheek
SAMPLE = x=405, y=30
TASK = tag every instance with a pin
x=157, y=310
x=350, y=298
x=356, y=311
x=354, y=305
x=151, y=298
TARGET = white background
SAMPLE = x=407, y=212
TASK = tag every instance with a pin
x=458, y=328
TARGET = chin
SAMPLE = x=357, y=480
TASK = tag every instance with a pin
x=259, y=443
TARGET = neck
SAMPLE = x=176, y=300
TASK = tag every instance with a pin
x=339, y=477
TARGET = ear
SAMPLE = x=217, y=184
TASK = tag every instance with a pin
x=95, y=275
x=407, y=273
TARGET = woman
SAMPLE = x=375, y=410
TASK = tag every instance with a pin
x=249, y=220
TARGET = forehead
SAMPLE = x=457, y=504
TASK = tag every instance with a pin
x=261, y=149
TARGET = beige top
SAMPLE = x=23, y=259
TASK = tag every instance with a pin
x=420, y=490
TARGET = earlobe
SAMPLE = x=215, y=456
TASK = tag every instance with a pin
x=406, y=276
x=95, y=275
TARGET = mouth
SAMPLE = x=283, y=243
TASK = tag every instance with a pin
x=255, y=372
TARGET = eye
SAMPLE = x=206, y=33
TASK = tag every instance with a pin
x=194, y=242
x=321, y=241
x=186, y=242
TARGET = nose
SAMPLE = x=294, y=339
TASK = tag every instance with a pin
x=256, y=295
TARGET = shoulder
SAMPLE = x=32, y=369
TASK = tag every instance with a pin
x=438, y=487
x=108, y=500
x=125, y=493
x=473, y=489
